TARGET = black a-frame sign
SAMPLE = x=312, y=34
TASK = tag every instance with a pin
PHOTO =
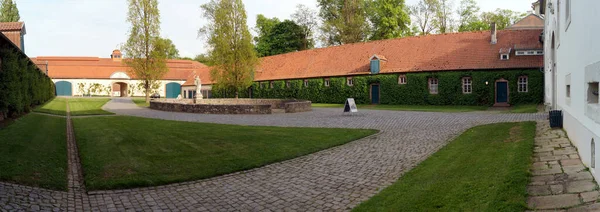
x=350, y=106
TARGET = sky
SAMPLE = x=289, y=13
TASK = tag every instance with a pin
x=96, y=27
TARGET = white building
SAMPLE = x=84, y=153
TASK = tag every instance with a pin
x=572, y=66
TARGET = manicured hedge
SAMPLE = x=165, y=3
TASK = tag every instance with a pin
x=415, y=92
x=22, y=84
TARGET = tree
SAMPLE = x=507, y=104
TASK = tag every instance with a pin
x=502, y=17
x=146, y=56
x=307, y=19
x=9, y=11
x=230, y=44
x=263, y=28
x=443, y=16
x=285, y=37
x=389, y=19
x=468, y=13
x=171, y=49
x=204, y=59
x=424, y=13
x=344, y=21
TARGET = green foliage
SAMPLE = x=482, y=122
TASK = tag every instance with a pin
x=22, y=84
x=264, y=26
x=415, y=92
x=283, y=37
x=344, y=21
x=168, y=46
x=146, y=55
x=502, y=17
x=9, y=11
x=202, y=58
x=389, y=19
x=424, y=13
x=230, y=45
x=307, y=19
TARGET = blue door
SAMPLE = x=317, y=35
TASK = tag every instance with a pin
x=501, y=92
x=374, y=94
x=64, y=88
x=173, y=90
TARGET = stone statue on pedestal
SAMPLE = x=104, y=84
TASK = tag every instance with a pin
x=198, y=84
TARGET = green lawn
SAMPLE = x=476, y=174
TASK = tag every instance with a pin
x=484, y=169
x=33, y=151
x=530, y=108
x=124, y=152
x=139, y=101
x=78, y=106
x=56, y=106
x=88, y=106
x=425, y=108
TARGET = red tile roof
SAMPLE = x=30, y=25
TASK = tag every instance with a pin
x=532, y=21
x=444, y=52
x=11, y=26
x=103, y=68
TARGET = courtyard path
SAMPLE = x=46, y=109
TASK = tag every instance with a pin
x=334, y=179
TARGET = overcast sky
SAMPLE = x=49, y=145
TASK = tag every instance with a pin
x=96, y=27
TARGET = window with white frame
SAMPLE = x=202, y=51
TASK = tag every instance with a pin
x=271, y=84
x=326, y=82
x=260, y=84
x=305, y=83
x=287, y=83
x=433, y=85
x=467, y=85
x=349, y=81
x=401, y=79
x=522, y=84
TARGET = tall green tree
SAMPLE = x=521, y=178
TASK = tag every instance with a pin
x=204, y=59
x=285, y=37
x=230, y=44
x=9, y=11
x=443, y=21
x=307, y=19
x=146, y=55
x=171, y=49
x=264, y=27
x=389, y=19
x=502, y=17
x=424, y=14
x=344, y=21
x=468, y=13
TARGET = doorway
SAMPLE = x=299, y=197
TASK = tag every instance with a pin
x=502, y=93
x=375, y=93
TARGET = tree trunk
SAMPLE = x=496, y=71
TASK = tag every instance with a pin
x=147, y=87
x=236, y=94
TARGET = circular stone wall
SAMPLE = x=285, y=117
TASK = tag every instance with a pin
x=231, y=106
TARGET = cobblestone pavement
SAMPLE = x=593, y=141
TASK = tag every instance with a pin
x=334, y=179
x=560, y=180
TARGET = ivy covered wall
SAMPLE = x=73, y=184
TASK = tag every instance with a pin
x=22, y=84
x=414, y=92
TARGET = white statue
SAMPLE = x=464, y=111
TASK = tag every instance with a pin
x=198, y=84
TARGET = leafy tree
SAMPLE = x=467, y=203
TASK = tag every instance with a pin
x=424, y=13
x=344, y=21
x=146, y=55
x=469, y=20
x=171, y=49
x=285, y=37
x=263, y=28
x=443, y=16
x=204, y=59
x=307, y=19
x=9, y=11
x=389, y=19
x=230, y=44
x=502, y=17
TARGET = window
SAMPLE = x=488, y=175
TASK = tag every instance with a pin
x=433, y=85
x=349, y=81
x=467, y=85
x=260, y=84
x=271, y=84
x=522, y=84
x=504, y=57
x=287, y=83
x=593, y=93
x=568, y=91
x=305, y=83
x=402, y=79
x=326, y=82
x=567, y=14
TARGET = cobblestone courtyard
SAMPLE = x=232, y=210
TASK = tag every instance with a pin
x=334, y=179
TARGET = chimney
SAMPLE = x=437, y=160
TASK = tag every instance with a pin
x=116, y=55
x=494, y=38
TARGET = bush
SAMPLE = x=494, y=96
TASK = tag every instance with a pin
x=22, y=84
x=415, y=92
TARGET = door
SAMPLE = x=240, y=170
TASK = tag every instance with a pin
x=173, y=90
x=64, y=88
x=375, y=94
x=501, y=92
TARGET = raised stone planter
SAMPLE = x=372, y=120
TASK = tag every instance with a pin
x=231, y=106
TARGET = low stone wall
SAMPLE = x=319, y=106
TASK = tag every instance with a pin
x=231, y=106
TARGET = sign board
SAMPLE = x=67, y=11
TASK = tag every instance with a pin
x=350, y=106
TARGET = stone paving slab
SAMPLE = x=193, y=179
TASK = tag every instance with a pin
x=335, y=179
x=560, y=180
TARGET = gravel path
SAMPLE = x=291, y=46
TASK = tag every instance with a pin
x=334, y=179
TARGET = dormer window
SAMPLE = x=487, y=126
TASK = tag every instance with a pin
x=376, y=63
x=505, y=53
x=504, y=57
